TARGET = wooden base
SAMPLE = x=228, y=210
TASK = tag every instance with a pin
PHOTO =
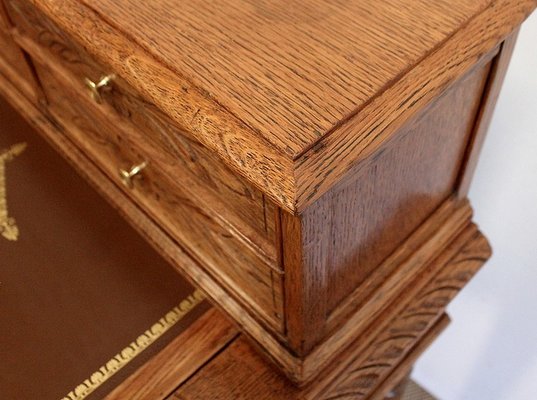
x=374, y=364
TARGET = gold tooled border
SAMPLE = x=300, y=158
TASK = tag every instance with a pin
x=135, y=348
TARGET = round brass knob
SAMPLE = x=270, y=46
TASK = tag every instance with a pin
x=128, y=176
x=95, y=88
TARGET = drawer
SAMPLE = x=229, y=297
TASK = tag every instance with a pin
x=195, y=224
x=239, y=204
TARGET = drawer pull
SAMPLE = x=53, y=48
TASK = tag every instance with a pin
x=96, y=87
x=127, y=177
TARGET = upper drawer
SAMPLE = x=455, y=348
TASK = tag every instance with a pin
x=243, y=208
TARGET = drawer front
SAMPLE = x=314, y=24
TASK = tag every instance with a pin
x=191, y=222
x=241, y=205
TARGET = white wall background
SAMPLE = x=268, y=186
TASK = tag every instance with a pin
x=489, y=352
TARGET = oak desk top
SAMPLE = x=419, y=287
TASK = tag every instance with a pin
x=290, y=95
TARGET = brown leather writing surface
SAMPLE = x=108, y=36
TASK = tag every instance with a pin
x=84, y=300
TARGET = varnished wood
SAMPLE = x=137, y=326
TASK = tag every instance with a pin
x=349, y=231
x=374, y=363
x=295, y=182
x=305, y=366
x=163, y=373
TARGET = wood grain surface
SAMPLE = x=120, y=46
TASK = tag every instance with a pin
x=303, y=157
x=290, y=70
x=292, y=131
x=375, y=362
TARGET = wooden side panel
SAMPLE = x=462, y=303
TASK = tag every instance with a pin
x=349, y=231
x=405, y=183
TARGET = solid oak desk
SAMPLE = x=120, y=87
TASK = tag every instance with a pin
x=305, y=164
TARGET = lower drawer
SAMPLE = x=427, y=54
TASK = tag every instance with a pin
x=192, y=223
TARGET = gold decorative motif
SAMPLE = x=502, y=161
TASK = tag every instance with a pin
x=135, y=348
x=8, y=226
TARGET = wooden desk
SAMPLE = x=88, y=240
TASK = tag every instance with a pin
x=305, y=164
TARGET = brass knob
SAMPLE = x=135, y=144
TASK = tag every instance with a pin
x=127, y=177
x=95, y=88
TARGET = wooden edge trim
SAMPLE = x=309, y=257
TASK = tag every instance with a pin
x=358, y=139
x=486, y=110
x=404, y=368
x=181, y=358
